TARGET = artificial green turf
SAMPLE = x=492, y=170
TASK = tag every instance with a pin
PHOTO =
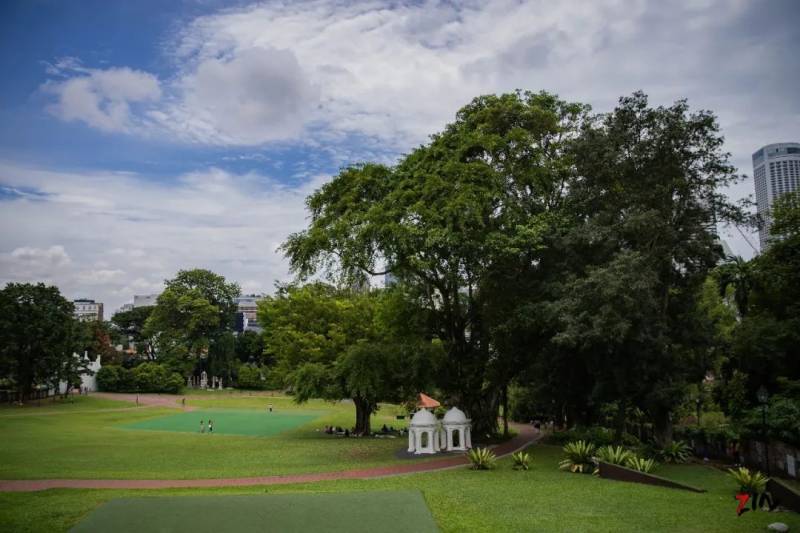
x=228, y=422
x=349, y=512
x=542, y=499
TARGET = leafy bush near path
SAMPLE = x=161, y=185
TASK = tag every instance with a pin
x=579, y=457
x=482, y=458
x=615, y=455
x=521, y=460
x=147, y=377
x=641, y=464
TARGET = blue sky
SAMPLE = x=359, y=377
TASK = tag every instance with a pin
x=137, y=138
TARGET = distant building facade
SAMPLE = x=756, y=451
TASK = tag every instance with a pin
x=247, y=312
x=776, y=171
x=87, y=310
x=145, y=300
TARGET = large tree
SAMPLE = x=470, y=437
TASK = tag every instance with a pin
x=194, y=311
x=37, y=335
x=476, y=200
x=335, y=344
x=649, y=194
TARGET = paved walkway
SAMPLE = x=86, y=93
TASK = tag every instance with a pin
x=526, y=435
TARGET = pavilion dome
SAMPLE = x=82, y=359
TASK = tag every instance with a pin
x=455, y=416
x=423, y=417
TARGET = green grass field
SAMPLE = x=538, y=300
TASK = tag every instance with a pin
x=95, y=441
x=462, y=500
x=228, y=422
x=347, y=512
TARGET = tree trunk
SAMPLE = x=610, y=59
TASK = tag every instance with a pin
x=505, y=411
x=363, y=414
x=663, y=428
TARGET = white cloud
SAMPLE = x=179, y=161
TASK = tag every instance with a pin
x=142, y=231
x=102, y=98
x=256, y=96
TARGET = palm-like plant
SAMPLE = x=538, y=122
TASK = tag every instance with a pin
x=751, y=482
x=676, y=452
x=641, y=464
x=615, y=455
x=579, y=457
x=521, y=460
x=482, y=458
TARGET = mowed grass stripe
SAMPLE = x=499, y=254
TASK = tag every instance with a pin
x=346, y=512
x=227, y=422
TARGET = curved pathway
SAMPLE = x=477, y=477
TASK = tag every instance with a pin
x=526, y=435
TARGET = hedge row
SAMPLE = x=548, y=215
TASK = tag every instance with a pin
x=147, y=377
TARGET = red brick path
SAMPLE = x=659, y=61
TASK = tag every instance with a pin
x=526, y=435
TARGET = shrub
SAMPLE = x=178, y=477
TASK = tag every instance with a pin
x=641, y=464
x=521, y=460
x=615, y=455
x=482, y=458
x=108, y=378
x=250, y=377
x=676, y=452
x=751, y=482
x=579, y=457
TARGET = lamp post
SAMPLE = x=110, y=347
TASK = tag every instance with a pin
x=763, y=398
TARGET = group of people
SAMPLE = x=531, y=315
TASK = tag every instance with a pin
x=336, y=430
x=203, y=426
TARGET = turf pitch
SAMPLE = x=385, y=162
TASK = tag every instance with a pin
x=343, y=512
x=227, y=422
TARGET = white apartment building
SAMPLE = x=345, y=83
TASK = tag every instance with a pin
x=144, y=300
x=86, y=310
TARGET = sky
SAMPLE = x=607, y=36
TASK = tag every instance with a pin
x=140, y=138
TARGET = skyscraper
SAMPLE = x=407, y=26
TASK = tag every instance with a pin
x=776, y=171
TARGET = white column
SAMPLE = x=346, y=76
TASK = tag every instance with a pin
x=418, y=440
x=468, y=437
x=411, y=441
x=435, y=439
x=449, y=438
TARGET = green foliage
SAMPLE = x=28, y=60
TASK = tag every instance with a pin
x=481, y=458
x=676, y=452
x=194, y=310
x=641, y=464
x=615, y=455
x=251, y=377
x=333, y=344
x=751, y=482
x=522, y=460
x=579, y=457
x=250, y=347
x=147, y=377
x=132, y=324
x=38, y=336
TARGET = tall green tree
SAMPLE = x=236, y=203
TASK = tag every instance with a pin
x=650, y=192
x=335, y=344
x=131, y=327
x=37, y=335
x=194, y=311
x=479, y=198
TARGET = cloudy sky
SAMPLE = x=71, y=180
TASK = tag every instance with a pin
x=138, y=138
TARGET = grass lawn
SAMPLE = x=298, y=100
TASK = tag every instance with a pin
x=96, y=444
x=346, y=512
x=461, y=500
x=71, y=404
x=228, y=422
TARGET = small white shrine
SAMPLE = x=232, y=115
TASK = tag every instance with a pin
x=456, y=430
x=423, y=433
x=427, y=435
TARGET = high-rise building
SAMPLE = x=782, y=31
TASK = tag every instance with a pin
x=776, y=171
x=86, y=310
